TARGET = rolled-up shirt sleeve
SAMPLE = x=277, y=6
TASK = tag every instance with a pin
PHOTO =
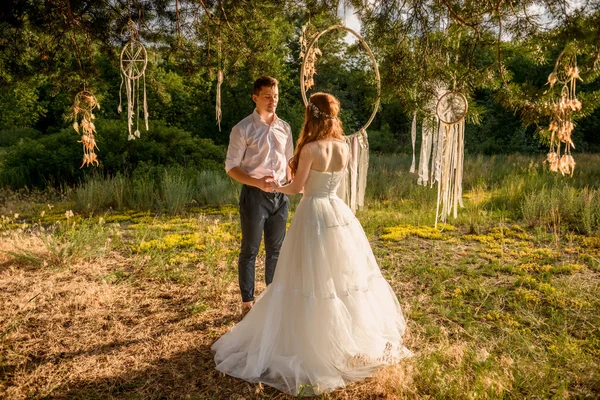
x=236, y=149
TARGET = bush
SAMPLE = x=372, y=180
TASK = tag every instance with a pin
x=383, y=141
x=56, y=159
x=9, y=137
x=47, y=161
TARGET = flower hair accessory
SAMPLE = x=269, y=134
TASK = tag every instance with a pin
x=316, y=112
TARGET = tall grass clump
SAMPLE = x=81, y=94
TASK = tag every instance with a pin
x=590, y=215
x=142, y=194
x=214, y=188
x=388, y=178
x=176, y=191
x=578, y=209
x=67, y=242
x=93, y=195
x=119, y=189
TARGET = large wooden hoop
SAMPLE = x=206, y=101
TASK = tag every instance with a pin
x=362, y=41
x=437, y=106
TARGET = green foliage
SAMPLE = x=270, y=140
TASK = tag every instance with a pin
x=55, y=158
x=383, y=141
x=20, y=104
x=46, y=59
x=11, y=136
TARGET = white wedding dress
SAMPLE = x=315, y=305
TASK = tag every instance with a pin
x=329, y=316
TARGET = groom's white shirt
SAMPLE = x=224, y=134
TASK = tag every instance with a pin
x=260, y=149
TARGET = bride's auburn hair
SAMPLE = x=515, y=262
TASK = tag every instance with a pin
x=320, y=122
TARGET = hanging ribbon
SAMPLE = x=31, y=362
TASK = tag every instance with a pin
x=413, y=135
x=219, y=114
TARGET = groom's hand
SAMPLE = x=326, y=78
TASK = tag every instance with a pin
x=265, y=184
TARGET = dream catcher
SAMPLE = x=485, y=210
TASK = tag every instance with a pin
x=352, y=187
x=309, y=54
x=83, y=106
x=561, y=125
x=451, y=110
x=134, y=59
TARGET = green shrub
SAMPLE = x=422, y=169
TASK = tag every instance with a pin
x=9, y=137
x=383, y=141
x=56, y=158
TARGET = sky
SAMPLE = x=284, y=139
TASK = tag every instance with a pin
x=349, y=19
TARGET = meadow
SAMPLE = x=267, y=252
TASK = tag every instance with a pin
x=118, y=287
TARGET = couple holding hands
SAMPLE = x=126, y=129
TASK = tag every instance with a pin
x=327, y=316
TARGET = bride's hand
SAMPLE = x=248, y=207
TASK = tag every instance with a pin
x=275, y=185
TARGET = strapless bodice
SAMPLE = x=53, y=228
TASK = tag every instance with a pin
x=322, y=184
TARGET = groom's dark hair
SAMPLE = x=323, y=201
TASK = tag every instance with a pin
x=264, y=81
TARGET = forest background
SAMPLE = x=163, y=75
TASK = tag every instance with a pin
x=499, y=54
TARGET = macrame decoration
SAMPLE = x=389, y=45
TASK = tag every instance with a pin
x=429, y=138
x=561, y=124
x=413, y=135
x=309, y=54
x=448, y=159
x=353, y=185
x=83, y=105
x=218, y=105
x=134, y=59
x=220, y=77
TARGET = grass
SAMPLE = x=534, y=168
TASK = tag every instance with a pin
x=498, y=305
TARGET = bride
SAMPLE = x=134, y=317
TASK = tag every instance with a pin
x=329, y=316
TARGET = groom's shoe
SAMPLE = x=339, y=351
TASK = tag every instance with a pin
x=246, y=308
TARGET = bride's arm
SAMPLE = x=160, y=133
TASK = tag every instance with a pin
x=304, y=165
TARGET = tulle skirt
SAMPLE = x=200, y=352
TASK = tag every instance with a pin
x=328, y=318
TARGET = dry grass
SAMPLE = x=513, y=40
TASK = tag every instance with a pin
x=500, y=314
x=103, y=328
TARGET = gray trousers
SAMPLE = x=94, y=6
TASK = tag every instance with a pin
x=260, y=212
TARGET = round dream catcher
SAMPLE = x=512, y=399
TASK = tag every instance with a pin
x=133, y=61
x=450, y=110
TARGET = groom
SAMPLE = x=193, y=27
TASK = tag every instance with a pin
x=260, y=147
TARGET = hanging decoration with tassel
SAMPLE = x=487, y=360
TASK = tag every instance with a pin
x=429, y=136
x=83, y=105
x=413, y=135
x=85, y=102
x=134, y=59
x=219, y=82
x=451, y=110
x=353, y=185
x=309, y=54
x=566, y=73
